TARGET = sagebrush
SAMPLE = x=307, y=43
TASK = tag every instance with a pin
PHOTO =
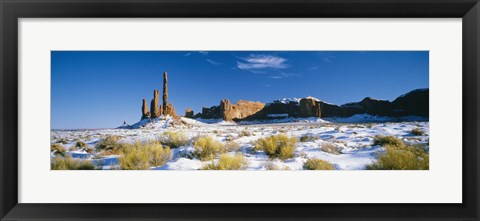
x=67, y=163
x=142, y=156
x=207, y=148
x=317, y=164
x=228, y=162
x=174, y=139
x=277, y=146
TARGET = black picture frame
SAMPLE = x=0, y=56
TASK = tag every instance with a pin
x=12, y=10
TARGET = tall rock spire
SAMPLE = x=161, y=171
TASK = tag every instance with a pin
x=165, y=94
x=154, y=110
x=145, y=113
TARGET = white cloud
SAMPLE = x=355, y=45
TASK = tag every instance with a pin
x=257, y=62
x=199, y=52
x=213, y=62
x=283, y=75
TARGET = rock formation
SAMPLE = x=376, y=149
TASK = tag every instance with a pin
x=228, y=111
x=167, y=108
x=189, y=113
x=145, y=112
x=210, y=113
x=165, y=95
x=156, y=110
x=415, y=102
x=412, y=103
x=309, y=107
x=370, y=106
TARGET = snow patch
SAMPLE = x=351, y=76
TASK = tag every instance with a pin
x=367, y=118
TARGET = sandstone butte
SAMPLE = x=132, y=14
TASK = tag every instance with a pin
x=413, y=103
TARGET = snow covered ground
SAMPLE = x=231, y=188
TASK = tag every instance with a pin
x=352, y=137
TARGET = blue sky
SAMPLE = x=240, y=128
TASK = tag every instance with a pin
x=101, y=89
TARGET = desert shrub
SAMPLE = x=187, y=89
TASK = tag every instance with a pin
x=174, y=139
x=269, y=165
x=58, y=148
x=228, y=162
x=142, y=156
x=60, y=163
x=72, y=148
x=330, y=148
x=244, y=133
x=232, y=146
x=401, y=158
x=80, y=144
x=307, y=138
x=62, y=141
x=206, y=148
x=277, y=146
x=387, y=140
x=109, y=144
x=134, y=159
x=159, y=155
x=317, y=164
x=417, y=131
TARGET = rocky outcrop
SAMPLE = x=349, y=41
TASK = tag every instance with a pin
x=210, y=112
x=415, y=102
x=169, y=110
x=309, y=107
x=155, y=111
x=412, y=103
x=189, y=113
x=369, y=106
x=145, y=112
x=240, y=110
x=228, y=111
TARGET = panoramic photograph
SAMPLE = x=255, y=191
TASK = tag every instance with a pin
x=239, y=110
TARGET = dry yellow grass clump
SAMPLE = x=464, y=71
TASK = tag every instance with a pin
x=174, y=139
x=308, y=138
x=417, y=132
x=387, y=140
x=110, y=145
x=330, y=148
x=142, y=156
x=317, y=164
x=277, y=146
x=398, y=156
x=207, y=148
x=228, y=162
x=58, y=148
x=67, y=163
x=401, y=158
